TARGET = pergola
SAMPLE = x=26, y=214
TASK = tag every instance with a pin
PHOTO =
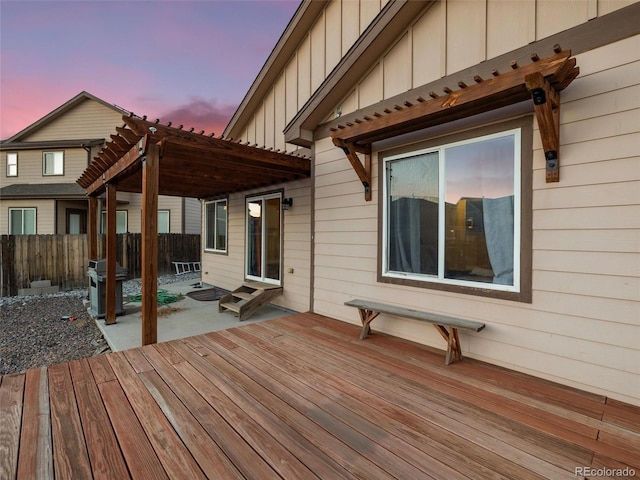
x=154, y=159
x=542, y=80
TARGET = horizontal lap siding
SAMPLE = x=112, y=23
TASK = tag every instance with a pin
x=90, y=119
x=582, y=327
x=227, y=270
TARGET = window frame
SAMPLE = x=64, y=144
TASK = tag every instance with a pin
x=215, y=202
x=168, y=212
x=44, y=163
x=35, y=220
x=103, y=221
x=14, y=164
x=521, y=290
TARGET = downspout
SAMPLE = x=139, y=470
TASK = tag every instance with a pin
x=88, y=150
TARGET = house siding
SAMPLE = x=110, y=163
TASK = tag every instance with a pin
x=89, y=119
x=581, y=327
x=227, y=270
x=452, y=35
x=45, y=214
x=332, y=35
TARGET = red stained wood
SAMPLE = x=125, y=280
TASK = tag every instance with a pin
x=70, y=457
x=299, y=397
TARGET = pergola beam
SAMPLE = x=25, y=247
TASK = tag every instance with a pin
x=120, y=167
x=547, y=76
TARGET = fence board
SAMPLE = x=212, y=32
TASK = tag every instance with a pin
x=63, y=258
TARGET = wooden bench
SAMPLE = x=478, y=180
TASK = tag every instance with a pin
x=446, y=326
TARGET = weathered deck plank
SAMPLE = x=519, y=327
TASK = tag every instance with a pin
x=11, y=395
x=301, y=397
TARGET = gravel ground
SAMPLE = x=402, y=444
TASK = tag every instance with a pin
x=42, y=330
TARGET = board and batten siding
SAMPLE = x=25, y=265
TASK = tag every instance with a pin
x=335, y=31
x=583, y=325
x=449, y=36
x=452, y=35
x=227, y=270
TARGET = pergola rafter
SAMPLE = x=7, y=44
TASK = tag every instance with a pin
x=155, y=159
x=541, y=81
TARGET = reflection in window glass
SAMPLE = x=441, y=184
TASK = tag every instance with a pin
x=451, y=212
x=413, y=214
x=479, y=183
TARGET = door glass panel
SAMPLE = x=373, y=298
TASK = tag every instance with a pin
x=272, y=238
x=264, y=239
x=254, y=238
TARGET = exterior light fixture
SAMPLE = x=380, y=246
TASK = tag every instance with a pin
x=287, y=203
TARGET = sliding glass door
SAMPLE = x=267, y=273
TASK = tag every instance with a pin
x=264, y=238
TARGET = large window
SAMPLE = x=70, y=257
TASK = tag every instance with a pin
x=216, y=226
x=452, y=213
x=22, y=221
x=121, y=222
x=53, y=163
x=12, y=164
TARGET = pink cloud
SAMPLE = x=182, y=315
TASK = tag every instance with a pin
x=201, y=114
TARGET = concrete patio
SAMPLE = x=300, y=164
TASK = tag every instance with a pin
x=185, y=318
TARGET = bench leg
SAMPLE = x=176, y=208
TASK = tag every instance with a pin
x=454, y=352
x=366, y=316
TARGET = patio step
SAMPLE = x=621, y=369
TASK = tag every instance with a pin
x=249, y=298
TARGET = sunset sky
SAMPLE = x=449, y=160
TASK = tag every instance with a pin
x=184, y=61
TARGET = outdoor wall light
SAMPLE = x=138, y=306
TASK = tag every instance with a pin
x=287, y=203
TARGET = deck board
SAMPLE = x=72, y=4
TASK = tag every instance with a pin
x=302, y=397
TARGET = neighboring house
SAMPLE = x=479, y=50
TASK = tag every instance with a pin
x=38, y=189
x=430, y=153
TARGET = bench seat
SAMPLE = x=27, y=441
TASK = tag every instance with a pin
x=446, y=326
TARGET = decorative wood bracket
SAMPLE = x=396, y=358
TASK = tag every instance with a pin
x=546, y=104
x=363, y=171
x=540, y=80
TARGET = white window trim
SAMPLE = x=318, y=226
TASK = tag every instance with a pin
x=44, y=163
x=14, y=163
x=206, y=226
x=22, y=209
x=440, y=278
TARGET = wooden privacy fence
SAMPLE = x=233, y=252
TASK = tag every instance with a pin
x=63, y=258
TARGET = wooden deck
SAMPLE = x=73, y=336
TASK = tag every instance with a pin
x=301, y=397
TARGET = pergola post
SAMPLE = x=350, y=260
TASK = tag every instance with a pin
x=150, y=185
x=110, y=293
x=92, y=228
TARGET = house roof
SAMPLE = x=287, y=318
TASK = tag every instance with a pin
x=42, y=190
x=397, y=16
x=297, y=29
x=58, y=112
x=41, y=145
x=191, y=164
